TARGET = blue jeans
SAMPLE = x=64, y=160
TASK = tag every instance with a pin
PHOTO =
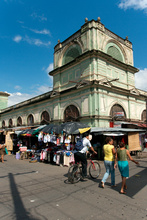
x=109, y=165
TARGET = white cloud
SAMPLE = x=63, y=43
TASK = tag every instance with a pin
x=17, y=87
x=31, y=41
x=39, y=17
x=44, y=31
x=18, y=97
x=141, y=79
x=43, y=89
x=19, y=1
x=135, y=4
x=36, y=42
x=21, y=22
x=17, y=38
x=49, y=68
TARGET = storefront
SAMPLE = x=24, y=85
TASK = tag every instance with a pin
x=53, y=144
x=132, y=138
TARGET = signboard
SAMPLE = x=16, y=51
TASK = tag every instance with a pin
x=119, y=114
x=133, y=141
x=117, y=125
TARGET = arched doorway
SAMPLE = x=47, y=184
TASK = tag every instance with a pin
x=19, y=121
x=117, y=113
x=30, y=120
x=3, y=124
x=143, y=116
x=45, y=118
x=71, y=113
x=10, y=123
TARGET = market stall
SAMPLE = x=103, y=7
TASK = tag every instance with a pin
x=55, y=143
x=63, y=138
x=130, y=137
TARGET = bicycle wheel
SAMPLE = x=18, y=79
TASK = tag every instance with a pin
x=94, y=170
x=74, y=174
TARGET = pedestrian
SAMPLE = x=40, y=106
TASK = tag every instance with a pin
x=2, y=151
x=109, y=153
x=121, y=155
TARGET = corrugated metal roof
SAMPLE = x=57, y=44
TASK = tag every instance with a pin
x=115, y=129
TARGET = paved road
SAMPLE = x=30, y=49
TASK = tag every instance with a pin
x=38, y=191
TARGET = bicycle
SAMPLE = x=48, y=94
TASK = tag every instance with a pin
x=75, y=170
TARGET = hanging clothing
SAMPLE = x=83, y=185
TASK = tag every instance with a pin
x=45, y=139
x=40, y=137
x=48, y=138
x=66, y=160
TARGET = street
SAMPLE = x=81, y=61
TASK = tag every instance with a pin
x=39, y=191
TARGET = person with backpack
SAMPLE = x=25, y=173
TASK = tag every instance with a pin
x=81, y=148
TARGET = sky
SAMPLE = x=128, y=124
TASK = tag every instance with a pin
x=30, y=29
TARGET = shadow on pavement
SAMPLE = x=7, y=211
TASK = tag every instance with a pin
x=20, y=211
x=18, y=174
x=134, y=184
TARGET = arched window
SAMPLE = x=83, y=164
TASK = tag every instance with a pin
x=114, y=52
x=3, y=124
x=117, y=112
x=143, y=116
x=19, y=121
x=71, y=113
x=10, y=123
x=71, y=53
x=45, y=118
x=30, y=120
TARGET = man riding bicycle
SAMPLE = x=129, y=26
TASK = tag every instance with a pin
x=80, y=156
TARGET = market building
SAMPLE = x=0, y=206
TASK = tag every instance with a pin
x=93, y=82
x=3, y=100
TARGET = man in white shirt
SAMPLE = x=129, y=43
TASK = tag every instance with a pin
x=81, y=155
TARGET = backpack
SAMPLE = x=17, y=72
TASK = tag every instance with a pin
x=79, y=145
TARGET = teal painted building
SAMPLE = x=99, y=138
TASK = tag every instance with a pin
x=3, y=100
x=93, y=82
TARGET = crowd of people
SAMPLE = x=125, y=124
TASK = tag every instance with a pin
x=112, y=158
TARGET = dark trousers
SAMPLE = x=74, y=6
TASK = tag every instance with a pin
x=80, y=157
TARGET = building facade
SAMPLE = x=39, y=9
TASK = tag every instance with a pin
x=93, y=82
x=3, y=100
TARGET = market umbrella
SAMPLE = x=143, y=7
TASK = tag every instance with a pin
x=38, y=129
x=51, y=128
x=73, y=127
x=26, y=132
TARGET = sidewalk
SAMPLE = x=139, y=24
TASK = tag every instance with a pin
x=142, y=154
x=39, y=191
